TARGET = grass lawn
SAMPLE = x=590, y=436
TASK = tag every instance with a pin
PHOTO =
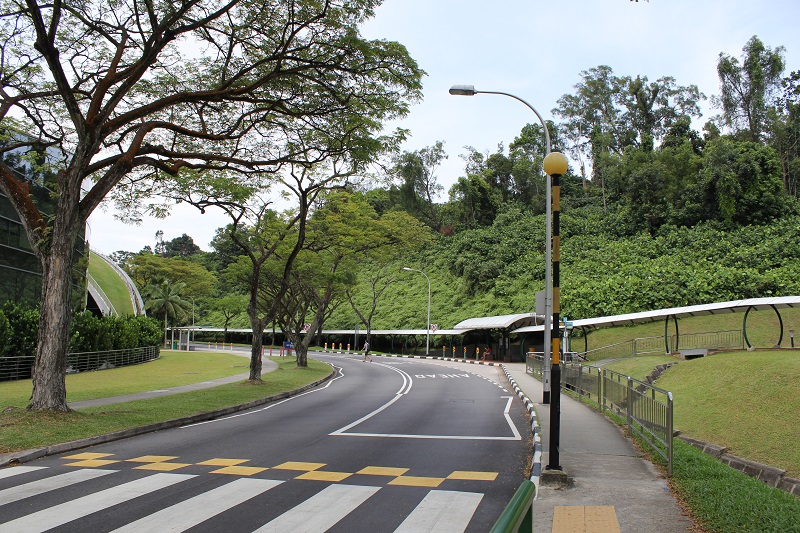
x=172, y=369
x=639, y=367
x=22, y=429
x=113, y=286
x=746, y=401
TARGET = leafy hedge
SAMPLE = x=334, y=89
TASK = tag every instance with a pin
x=19, y=326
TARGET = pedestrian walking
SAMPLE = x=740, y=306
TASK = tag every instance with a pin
x=366, y=352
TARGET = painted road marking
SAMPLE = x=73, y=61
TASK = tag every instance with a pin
x=80, y=507
x=194, y=511
x=310, y=471
x=20, y=492
x=239, y=470
x=223, y=462
x=162, y=467
x=87, y=455
x=506, y=413
x=473, y=476
x=319, y=475
x=417, y=481
x=294, y=465
x=382, y=471
x=17, y=470
x=152, y=459
x=322, y=511
x=442, y=511
x=92, y=463
x=585, y=519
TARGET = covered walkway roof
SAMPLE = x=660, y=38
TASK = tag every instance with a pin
x=500, y=322
x=734, y=306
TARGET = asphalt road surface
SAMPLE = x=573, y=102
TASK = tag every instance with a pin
x=391, y=445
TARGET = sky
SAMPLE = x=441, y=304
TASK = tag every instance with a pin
x=534, y=49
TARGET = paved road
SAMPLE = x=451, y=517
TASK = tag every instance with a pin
x=392, y=445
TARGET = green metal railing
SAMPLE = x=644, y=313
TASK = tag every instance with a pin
x=518, y=514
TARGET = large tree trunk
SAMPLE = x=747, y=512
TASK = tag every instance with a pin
x=257, y=347
x=50, y=366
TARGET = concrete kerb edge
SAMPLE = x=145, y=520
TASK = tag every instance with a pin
x=770, y=475
x=536, y=459
x=437, y=358
x=25, y=456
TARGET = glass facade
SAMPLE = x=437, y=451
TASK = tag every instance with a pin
x=20, y=271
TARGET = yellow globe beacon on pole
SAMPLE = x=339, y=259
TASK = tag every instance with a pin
x=556, y=163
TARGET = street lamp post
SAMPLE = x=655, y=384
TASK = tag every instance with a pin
x=555, y=165
x=428, y=325
x=469, y=90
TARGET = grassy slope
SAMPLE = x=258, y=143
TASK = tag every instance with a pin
x=111, y=283
x=746, y=401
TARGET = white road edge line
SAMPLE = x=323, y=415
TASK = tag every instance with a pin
x=270, y=406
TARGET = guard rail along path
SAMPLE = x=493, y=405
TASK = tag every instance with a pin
x=14, y=368
x=648, y=410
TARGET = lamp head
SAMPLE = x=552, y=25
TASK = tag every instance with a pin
x=406, y=268
x=463, y=90
x=556, y=163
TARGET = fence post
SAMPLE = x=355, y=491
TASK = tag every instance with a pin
x=601, y=391
x=630, y=403
x=580, y=383
x=670, y=432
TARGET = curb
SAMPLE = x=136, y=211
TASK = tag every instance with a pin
x=536, y=460
x=25, y=456
x=769, y=475
x=436, y=358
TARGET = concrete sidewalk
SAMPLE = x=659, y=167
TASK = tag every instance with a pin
x=603, y=469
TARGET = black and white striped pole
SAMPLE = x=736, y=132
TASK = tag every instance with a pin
x=555, y=166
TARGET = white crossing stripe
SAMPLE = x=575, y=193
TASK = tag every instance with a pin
x=442, y=511
x=17, y=470
x=322, y=511
x=20, y=492
x=193, y=511
x=80, y=507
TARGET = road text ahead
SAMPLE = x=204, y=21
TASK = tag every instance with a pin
x=442, y=376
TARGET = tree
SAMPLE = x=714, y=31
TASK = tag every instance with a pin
x=608, y=113
x=229, y=306
x=743, y=178
x=182, y=246
x=419, y=187
x=130, y=94
x=748, y=89
x=198, y=281
x=164, y=298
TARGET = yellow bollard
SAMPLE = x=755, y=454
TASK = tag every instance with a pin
x=326, y=346
x=444, y=351
x=477, y=352
x=348, y=347
x=454, y=351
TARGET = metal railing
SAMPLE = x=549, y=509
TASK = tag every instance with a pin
x=651, y=345
x=518, y=514
x=14, y=368
x=647, y=410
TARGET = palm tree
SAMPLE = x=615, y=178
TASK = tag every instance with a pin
x=164, y=297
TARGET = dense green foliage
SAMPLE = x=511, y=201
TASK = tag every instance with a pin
x=19, y=325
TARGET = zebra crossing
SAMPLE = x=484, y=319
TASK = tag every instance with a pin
x=79, y=494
